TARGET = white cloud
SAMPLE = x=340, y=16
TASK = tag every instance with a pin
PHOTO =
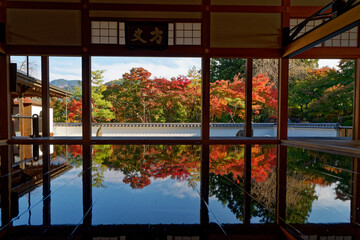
x=332, y=63
x=178, y=189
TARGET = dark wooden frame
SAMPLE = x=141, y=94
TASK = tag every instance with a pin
x=205, y=51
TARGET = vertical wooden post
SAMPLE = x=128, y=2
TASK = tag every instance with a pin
x=45, y=96
x=281, y=184
x=5, y=186
x=204, y=189
x=247, y=185
x=282, y=130
x=5, y=98
x=356, y=104
x=85, y=25
x=87, y=185
x=283, y=82
x=21, y=113
x=86, y=98
x=86, y=71
x=46, y=185
x=355, y=201
x=205, y=100
x=248, y=97
x=205, y=89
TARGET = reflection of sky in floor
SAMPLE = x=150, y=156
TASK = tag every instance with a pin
x=170, y=201
x=220, y=213
x=66, y=201
x=33, y=200
x=328, y=209
x=163, y=201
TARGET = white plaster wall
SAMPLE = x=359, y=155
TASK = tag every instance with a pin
x=313, y=132
x=67, y=131
x=38, y=109
x=192, y=132
x=147, y=131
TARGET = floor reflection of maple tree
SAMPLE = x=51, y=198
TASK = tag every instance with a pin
x=143, y=164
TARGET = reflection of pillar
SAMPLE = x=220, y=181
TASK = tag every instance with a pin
x=281, y=184
x=5, y=155
x=355, y=202
x=204, y=189
x=46, y=186
x=248, y=97
x=247, y=185
x=87, y=185
x=26, y=152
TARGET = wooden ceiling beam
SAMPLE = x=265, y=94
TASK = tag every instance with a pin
x=331, y=53
x=187, y=51
x=145, y=7
x=303, y=11
x=245, y=52
x=246, y=9
x=324, y=32
x=295, y=11
x=43, y=5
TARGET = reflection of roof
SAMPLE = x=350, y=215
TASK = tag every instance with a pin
x=33, y=87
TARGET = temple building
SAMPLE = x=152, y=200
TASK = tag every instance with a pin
x=208, y=154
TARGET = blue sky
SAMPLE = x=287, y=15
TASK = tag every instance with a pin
x=114, y=67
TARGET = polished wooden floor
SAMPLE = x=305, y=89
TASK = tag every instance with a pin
x=344, y=146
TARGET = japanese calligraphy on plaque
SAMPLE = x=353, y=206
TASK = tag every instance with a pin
x=146, y=35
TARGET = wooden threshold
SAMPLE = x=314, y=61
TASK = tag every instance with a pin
x=342, y=146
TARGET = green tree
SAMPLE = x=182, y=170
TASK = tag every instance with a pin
x=226, y=68
x=324, y=95
x=101, y=108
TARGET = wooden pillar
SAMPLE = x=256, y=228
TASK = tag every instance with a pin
x=283, y=83
x=248, y=97
x=87, y=185
x=85, y=25
x=5, y=183
x=86, y=98
x=356, y=104
x=205, y=99
x=46, y=186
x=247, y=185
x=5, y=98
x=45, y=96
x=21, y=113
x=204, y=190
x=281, y=184
x=86, y=70
x=205, y=90
x=355, y=201
x=282, y=130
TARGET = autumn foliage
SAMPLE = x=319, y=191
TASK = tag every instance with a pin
x=142, y=164
x=138, y=98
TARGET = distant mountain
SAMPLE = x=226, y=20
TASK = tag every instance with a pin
x=68, y=85
x=113, y=82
